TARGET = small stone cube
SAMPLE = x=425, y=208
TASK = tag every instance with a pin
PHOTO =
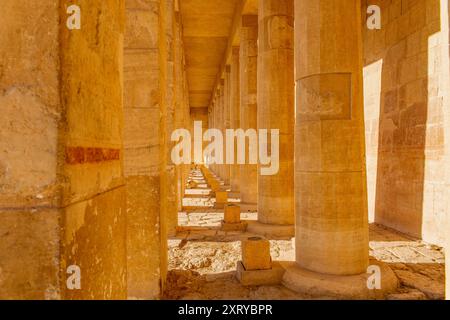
x=256, y=254
x=222, y=197
x=232, y=214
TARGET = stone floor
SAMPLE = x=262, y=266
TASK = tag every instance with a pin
x=202, y=258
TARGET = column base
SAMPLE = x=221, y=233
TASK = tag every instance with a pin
x=248, y=207
x=241, y=226
x=339, y=287
x=271, y=277
x=271, y=230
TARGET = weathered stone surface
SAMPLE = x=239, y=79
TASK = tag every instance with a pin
x=405, y=96
x=235, y=112
x=143, y=151
x=143, y=240
x=256, y=254
x=87, y=179
x=330, y=179
x=94, y=222
x=412, y=295
x=270, y=277
x=29, y=254
x=432, y=289
x=232, y=214
x=95, y=241
x=248, y=60
x=221, y=198
x=29, y=184
x=276, y=107
x=65, y=72
x=337, y=286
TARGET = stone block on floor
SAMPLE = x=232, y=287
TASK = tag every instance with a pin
x=269, y=277
x=221, y=199
x=256, y=254
x=238, y=227
x=232, y=214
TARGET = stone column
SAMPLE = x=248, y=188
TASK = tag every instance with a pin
x=220, y=124
x=235, y=114
x=215, y=124
x=248, y=110
x=179, y=120
x=276, y=109
x=226, y=121
x=330, y=179
x=332, y=254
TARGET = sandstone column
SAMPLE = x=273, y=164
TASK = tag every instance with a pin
x=276, y=108
x=235, y=114
x=332, y=254
x=220, y=124
x=226, y=121
x=248, y=107
x=330, y=178
x=216, y=107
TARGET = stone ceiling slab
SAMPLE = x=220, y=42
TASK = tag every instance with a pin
x=206, y=29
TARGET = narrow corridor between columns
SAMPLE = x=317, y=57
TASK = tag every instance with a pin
x=203, y=256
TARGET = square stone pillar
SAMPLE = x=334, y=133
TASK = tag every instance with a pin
x=62, y=190
x=248, y=106
x=256, y=254
x=232, y=219
x=221, y=199
x=232, y=214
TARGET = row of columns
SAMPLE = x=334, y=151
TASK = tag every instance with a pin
x=325, y=120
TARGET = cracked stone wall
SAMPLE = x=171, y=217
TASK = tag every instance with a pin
x=406, y=91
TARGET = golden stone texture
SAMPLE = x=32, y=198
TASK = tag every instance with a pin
x=232, y=214
x=406, y=92
x=330, y=179
x=248, y=106
x=276, y=107
x=221, y=197
x=86, y=176
x=256, y=254
x=94, y=221
x=142, y=148
x=235, y=121
x=31, y=111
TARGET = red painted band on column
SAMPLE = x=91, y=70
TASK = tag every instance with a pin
x=81, y=155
